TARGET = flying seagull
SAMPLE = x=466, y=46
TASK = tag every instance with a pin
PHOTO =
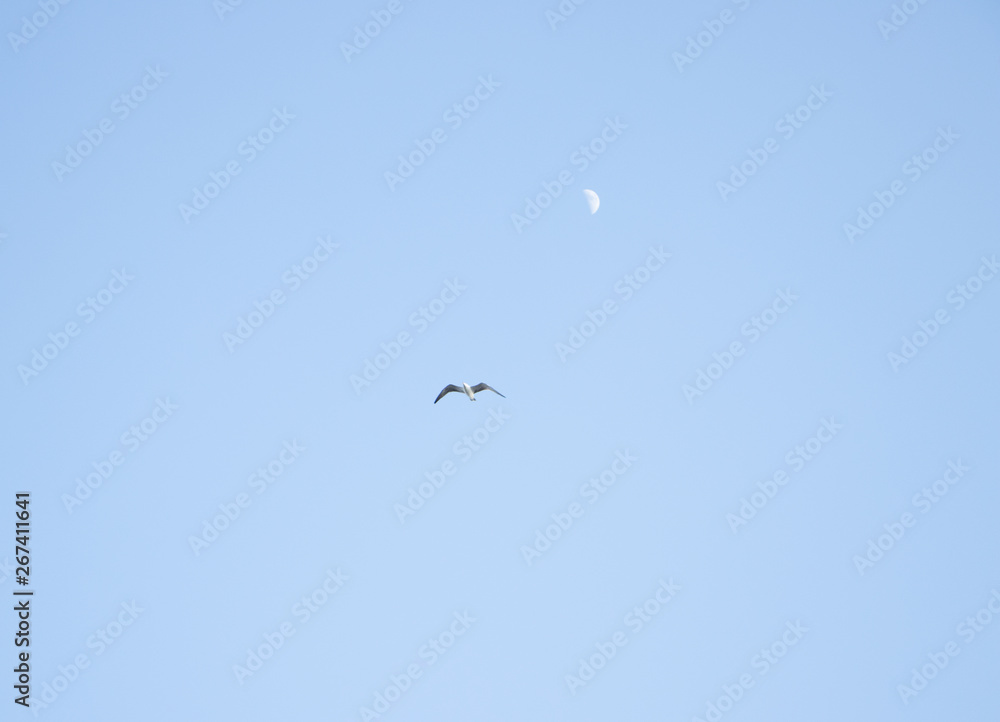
x=469, y=391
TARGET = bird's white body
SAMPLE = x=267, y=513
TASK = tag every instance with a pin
x=468, y=391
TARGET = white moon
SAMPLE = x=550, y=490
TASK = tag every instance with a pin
x=592, y=201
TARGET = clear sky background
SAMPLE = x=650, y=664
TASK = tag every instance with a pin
x=198, y=610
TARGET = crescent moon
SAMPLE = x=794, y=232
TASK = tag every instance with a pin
x=593, y=202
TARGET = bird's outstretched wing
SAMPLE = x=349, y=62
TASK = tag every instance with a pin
x=447, y=389
x=483, y=387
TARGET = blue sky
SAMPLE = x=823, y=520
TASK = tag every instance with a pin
x=745, y=464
